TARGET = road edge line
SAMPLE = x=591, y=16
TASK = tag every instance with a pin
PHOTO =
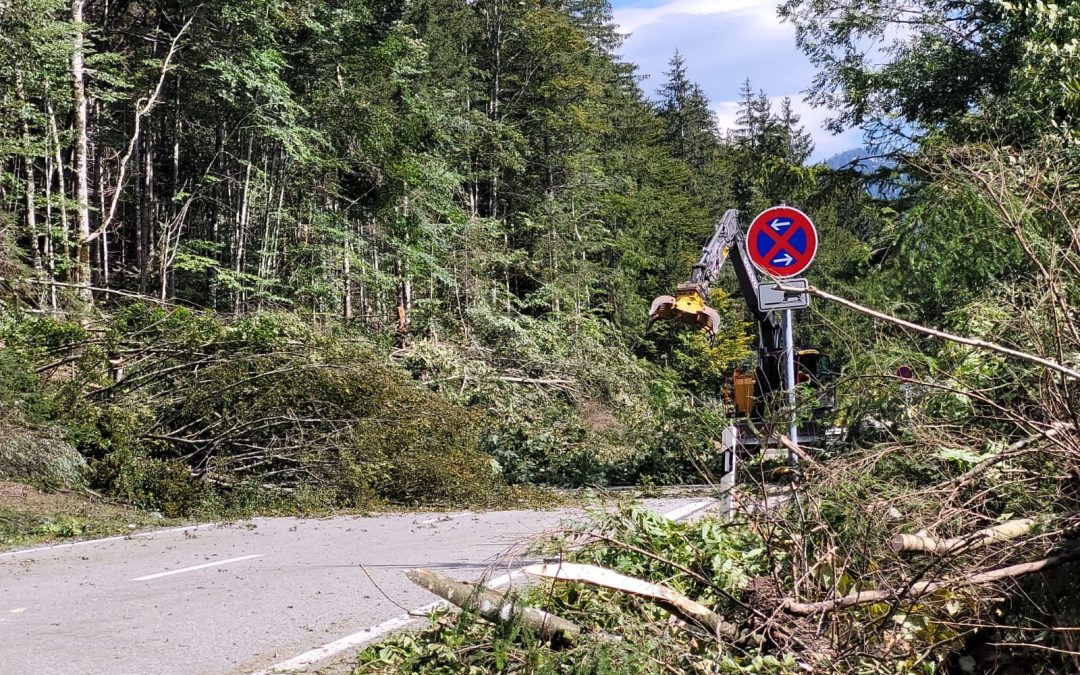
x=371, y=634
x=119, y=537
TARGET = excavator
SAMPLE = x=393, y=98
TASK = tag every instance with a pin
x=753, y=393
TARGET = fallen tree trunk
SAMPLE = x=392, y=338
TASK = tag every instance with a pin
x=676, y=603
x=494, y=606
x=537, y=380
x=927, y=587
x=903, y=543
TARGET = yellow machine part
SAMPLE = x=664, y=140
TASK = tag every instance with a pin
x=688, y=305
x=744, y=386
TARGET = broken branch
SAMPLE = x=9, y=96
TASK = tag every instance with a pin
x=917, y=542
x=493, y=606
x=677, y=603
x=927, y=587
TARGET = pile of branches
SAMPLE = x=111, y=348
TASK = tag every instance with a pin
x=269, y=403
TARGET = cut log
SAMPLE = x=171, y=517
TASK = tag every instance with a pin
x=1012, y=529
x=494, y=606
x=536, y=380
x=676, y=603
x=927, y=587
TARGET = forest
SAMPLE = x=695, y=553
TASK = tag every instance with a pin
x=296, y=256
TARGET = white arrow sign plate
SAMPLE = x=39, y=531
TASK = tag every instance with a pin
x=770, y=296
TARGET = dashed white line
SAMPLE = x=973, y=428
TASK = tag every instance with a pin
x=216, y=563
x=369, y=635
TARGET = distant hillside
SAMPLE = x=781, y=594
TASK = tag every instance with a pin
x=861, y=160
x=858, y=158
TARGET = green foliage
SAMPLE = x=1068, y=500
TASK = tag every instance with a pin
x=40, y=459
x=707, y=560
x=566, y=404
x=164, y=485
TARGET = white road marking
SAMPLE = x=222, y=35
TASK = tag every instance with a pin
x=687, y=510
x=17, y=610
x=216, y=563
x=369, y=635
x=189, y=528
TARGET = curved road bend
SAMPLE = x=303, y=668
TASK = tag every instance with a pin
x=269, y=594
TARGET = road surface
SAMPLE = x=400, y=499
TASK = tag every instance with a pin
x=265, y=595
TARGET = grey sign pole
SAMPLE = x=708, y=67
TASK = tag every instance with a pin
x=789, y=354
x=730, y=442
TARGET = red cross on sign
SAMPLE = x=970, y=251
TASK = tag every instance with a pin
x=782, y=241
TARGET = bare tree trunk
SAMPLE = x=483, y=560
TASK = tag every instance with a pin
x=241, y=230
x=82, y=173
x=346, y=311
x=31, y=181
x=404, y=290
x=65, y=230
x=495, y=606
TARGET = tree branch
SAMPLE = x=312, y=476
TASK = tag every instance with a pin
x=141, y=110
x=973, y=342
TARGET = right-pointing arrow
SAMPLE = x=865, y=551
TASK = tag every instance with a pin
x=783, y=260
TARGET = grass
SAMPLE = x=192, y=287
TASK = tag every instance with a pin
x=29, y=516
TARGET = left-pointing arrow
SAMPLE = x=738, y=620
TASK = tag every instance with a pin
x=778, y=224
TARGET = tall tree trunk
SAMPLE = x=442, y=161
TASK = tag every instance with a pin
x=82, y=170
x=347, y=291
x=241, y=231
x=31, y=180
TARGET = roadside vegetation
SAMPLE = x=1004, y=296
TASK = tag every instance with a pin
x=293, y=257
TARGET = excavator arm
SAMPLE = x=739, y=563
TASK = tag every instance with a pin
x=690, y=304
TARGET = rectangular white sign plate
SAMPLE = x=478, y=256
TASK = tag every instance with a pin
x=770, y=296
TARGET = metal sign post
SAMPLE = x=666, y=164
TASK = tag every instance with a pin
x=782, y=242
x=789, y=374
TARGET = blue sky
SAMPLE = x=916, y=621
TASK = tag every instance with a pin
x=725, y=41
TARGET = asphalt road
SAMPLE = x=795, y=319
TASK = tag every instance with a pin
x=269, y=594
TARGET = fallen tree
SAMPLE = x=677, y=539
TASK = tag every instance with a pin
x=907, y=543
x=685, y=608
x=494, y=606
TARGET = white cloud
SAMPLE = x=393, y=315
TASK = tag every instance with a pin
x=725, y=42
x=631, y=19
x=812, y=119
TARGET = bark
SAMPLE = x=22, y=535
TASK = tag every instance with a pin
x=346, y=312
x=915, y=542
x=31, y=181
x=81, y=268
x=494, y=606
x=689, y=610
x=927, y=587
